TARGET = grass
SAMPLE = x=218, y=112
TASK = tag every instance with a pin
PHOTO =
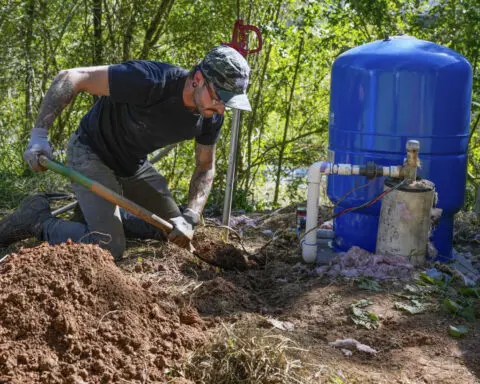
x=14, y=188
x=245, y=356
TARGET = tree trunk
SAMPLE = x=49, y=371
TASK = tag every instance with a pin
x=97, y=32
x=129, y=32
x=255, y=106
x=114, y=54
x=27, y=41
x=156, y=27
x=287, y=122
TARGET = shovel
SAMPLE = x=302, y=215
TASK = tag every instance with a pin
x=142, y=213
x=107, y=194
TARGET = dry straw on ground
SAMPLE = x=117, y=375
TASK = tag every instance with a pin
x=245, y=356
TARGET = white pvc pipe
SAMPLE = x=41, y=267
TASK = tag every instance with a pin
x=314, y=176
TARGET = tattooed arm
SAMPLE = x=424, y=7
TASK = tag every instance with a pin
x=65, y=87
x=200, y=185
x=202, y=179
x=61, y=93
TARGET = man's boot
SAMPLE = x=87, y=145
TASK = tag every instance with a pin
x=27, y=221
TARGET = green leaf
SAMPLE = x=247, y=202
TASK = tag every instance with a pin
x=412, y=309
x=357, y=311
x=452, y=306
x=458, y=330
x=469, y=291
x=362, y=303
x=420, y=290
x=362, y=317
x=426, y=279
x=468, y=313
x=369, y=285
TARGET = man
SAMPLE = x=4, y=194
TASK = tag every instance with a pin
x=143, y=106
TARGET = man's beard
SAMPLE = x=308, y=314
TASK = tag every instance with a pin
x=199, y=107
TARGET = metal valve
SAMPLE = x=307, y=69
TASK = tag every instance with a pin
x=412, y=162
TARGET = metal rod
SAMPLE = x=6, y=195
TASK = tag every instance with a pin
x=64, y=209
x=162, y=153
x=106, y=193
x=232, y=157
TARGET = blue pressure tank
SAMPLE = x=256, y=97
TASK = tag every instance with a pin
x=383, y=94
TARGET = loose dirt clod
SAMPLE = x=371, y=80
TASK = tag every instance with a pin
x=219, y=254
x=69, y=315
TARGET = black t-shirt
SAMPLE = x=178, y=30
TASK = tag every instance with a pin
x=144, y=112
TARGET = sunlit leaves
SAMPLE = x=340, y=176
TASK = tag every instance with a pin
x=40, y=37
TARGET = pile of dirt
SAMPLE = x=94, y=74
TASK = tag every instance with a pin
x=69, y=315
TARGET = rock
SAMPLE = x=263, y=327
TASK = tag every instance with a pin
x=46, y=363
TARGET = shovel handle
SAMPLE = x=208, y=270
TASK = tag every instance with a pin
x=106, y=193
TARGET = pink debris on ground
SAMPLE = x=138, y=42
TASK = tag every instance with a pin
x=352, y=343
x=358, y=262
x=238, y=222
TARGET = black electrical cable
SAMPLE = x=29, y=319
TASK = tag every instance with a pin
x=365, y=205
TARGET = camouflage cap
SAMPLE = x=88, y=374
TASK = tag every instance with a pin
x=228, y=71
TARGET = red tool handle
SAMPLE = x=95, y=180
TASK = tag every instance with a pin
x=239, y=38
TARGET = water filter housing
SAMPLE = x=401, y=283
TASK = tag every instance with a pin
x=405, y=224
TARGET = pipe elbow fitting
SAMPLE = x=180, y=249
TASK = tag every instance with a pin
x=316, y=170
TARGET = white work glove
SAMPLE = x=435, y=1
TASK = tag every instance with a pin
x=38, y=145
x=182, y=233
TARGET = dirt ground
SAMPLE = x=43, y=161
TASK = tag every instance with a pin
x=69, y=314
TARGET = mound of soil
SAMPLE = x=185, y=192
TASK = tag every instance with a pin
x=69, y=315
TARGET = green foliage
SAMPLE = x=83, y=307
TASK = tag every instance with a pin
x=368, y=284
x=454, y=298
x=289, y=88
x=457, y=331
x=362, y=317
x=14, y=188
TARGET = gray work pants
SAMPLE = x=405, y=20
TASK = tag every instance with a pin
x=104, y=223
